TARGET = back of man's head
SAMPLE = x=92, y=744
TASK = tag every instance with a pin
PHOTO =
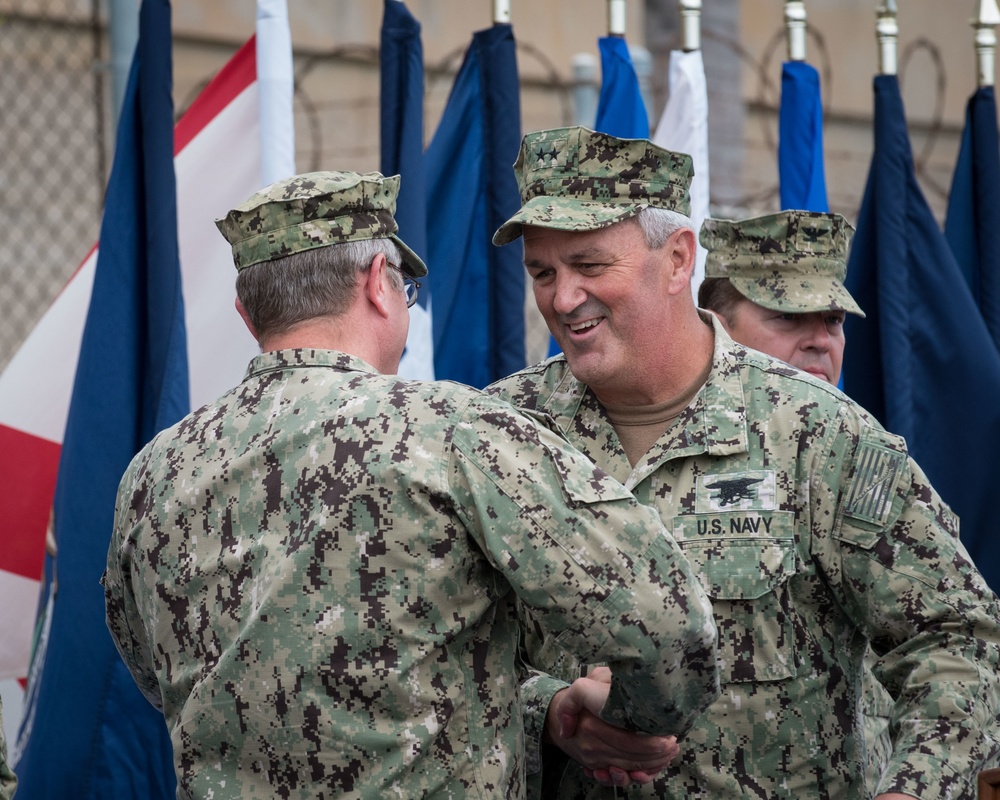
x=299, y=244
x=575, y=179
x=793, y=262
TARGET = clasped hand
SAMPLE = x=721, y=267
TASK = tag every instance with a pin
x=610, y=755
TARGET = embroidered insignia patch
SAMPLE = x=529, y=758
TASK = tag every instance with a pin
x=870, y=495
x=736, y=491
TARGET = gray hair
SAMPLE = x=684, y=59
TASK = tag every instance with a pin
x=659, y=224
x=283, y=292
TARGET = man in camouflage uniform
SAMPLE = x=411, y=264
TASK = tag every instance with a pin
x=809, y=526
x=776, y=283
x=8, y=780
x=314, y=577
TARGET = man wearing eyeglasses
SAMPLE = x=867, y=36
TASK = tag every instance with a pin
x=314, y=577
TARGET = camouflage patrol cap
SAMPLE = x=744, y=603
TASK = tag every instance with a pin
x=313, y=210
x=793, y=261
x=574, y=179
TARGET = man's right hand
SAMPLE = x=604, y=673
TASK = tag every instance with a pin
x=612, y=756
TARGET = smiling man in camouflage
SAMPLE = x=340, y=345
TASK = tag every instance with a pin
x=314, y=576
x=808, y=525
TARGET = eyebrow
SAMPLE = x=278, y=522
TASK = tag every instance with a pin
x=586, y=254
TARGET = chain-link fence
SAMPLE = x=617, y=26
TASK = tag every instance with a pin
x=52, y=170
x=54, y=95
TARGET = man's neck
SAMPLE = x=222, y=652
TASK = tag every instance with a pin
x=671, y=370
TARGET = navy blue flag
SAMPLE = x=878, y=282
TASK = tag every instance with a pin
x=477, y=289
x=801, y=175
x=922, y=360
x=401, y=108
x=87, y=732
x=401, y=105
x=620, y=108
x=972, y=226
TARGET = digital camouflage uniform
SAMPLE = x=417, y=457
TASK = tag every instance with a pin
x=813, y=532
x=795, y=262
x=314, y=577
x=8, y=781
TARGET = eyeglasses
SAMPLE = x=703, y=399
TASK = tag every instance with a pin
x=410, y=286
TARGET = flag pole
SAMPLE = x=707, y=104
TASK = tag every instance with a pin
x=887, y=33
x=795, y=28
x=616, y=18
x=501, y=12
x=691, y=25
x=986, y=40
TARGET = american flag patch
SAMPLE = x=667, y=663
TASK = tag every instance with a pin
x=870, y=496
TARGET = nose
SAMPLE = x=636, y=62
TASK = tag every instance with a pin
x=817, y=334
x=568, y=292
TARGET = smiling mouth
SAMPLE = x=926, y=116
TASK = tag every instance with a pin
x=580, y=327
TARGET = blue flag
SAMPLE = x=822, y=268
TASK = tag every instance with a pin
x=972, y=226
x=801, y=176
x=477, y=289
x=922, y=360
x=87, y=732
x=401, y=105
x=401, y=108
x=620, y=108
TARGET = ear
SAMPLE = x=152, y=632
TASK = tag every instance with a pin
x=378, y=286
x=246, y=319
x=683, y=248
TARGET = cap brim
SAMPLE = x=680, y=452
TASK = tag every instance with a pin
x=412, y=264
x=802, y=294
x=564, y=214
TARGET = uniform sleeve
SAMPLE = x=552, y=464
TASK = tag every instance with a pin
x=910, y=585
x=596, y=572
x=121, y=612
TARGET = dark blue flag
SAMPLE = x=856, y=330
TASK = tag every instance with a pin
x=620, y=108
x=477, y=289
x=972, y=226
x=922, y=360
x=801, y=176
x=401, y=107
x=87, y=732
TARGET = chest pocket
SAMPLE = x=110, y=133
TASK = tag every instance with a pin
x=747, y=577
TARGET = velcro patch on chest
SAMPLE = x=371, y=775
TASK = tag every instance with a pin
x=736, y=491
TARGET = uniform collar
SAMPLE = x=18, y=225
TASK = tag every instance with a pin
x=714, y=423
x=275, y=360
